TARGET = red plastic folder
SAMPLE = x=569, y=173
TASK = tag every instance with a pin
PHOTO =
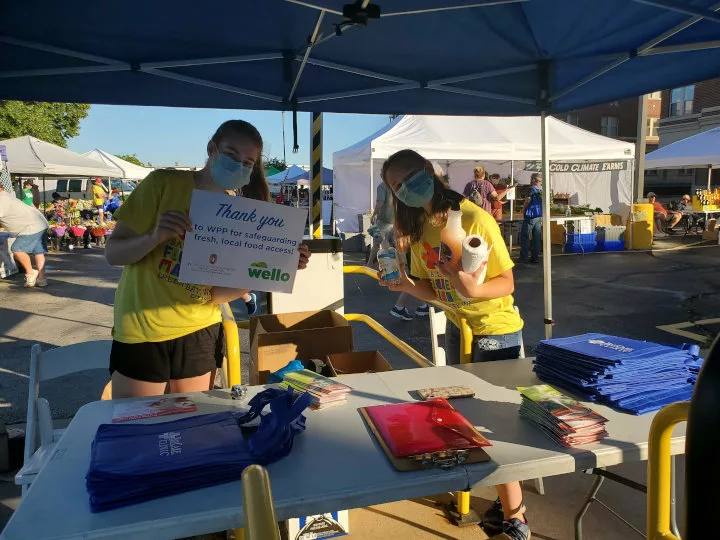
x=424, y=427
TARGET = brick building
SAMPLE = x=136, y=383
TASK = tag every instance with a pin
x=618, y=119
x=685, y=111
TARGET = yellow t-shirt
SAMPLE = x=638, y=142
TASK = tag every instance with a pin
x=485, y=317
x=98, y=195
x=150, y=303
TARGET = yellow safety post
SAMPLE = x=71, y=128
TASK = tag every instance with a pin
x=403, y=347
x=366, y=270
x=258, y=509
x=463, y=502
x=316, y=170
x=660, y=471
x=466, y=340
x=232, y=346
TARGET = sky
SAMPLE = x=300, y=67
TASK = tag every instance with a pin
x=165, y=135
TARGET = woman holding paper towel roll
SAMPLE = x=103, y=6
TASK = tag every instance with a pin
x=473, y=282
x=165, y=331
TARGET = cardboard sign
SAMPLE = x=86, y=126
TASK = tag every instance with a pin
x=242, y=243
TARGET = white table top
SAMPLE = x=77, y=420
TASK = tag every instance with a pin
x=564, y=219
x=334, y=464
x=520, y=451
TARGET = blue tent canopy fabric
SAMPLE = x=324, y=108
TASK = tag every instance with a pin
x=508, y=57
x=282, y=177
x=293, y=174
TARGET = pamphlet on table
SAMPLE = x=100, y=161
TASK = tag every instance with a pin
x=242, y=243
x=149, y=408
x=563, y=419
x=325, y=392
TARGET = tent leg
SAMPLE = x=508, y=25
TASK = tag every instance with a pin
x=709, y=177
x=512, y=201
x=547, y=255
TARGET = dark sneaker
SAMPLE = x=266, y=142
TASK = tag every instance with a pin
x=534, y=261
x=401, y=313
x=422, y=311
x=492, y=519
x=515, y=529
x=251, y=305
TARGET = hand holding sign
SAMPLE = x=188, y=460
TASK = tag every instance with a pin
x=171, y=223
x=243, y=243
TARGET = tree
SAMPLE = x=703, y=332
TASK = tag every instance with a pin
x=270, y=162
x=132, y=158
x=51, y=122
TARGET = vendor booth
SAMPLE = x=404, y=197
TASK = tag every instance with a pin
x=594, y=170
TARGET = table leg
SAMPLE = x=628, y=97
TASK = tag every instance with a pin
x=591, y=497
x=673, y=506
x=459, y=512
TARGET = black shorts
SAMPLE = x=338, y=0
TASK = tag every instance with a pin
x=187, y=356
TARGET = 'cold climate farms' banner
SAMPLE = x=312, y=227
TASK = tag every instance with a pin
x=242, y=243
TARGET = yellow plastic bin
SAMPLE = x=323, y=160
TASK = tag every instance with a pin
x=642, y=227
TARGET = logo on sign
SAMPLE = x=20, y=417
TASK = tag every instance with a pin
x=260, y=270
x=170, y=443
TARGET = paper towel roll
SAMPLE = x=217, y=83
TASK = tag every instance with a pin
x=474, y=253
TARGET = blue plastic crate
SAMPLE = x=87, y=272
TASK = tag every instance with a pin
x=610, y=245
x=577, y=238
x=580, y=248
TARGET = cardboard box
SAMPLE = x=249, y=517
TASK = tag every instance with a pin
x=277, y=339
x=357, y=362
x=330, y=525
x=711, y=231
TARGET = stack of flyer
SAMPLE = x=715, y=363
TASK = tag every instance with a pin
x=325, y=392
x=560, y=417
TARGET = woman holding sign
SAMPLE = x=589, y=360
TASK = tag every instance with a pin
x=422, y=206
x=167, y=331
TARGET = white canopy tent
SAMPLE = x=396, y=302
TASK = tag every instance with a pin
x=701, y=150
x=31, y=156
x=127, y=170
x=505, y=145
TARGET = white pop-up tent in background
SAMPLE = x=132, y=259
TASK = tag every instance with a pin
x=597, y=170
x=699, y=151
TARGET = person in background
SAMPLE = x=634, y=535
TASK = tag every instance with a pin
x=685, y=204
x=29, y=228
x=663, y=218
x=532, y=220
x=421, y=205
x=383, y=219
x=167, y=332
x=480, y=191
x=501, y=190
x=114, y=201
x=99, y=196
x=27, y=193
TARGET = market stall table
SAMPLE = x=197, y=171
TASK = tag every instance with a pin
x=335, y=464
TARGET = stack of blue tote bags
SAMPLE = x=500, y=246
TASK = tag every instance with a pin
x=630, y=375
x=132, y=463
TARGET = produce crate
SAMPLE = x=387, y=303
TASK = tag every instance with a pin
x=610, y=245
x=610, y=233
x=580, y=243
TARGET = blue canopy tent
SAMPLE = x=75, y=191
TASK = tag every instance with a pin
x=287, y=175
x=469, y=57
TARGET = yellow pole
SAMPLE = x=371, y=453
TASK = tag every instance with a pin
x=232, y=346
x=466, y=340
x=659, y=470
x=258, y=509
x=316, y=175
x=463, y=502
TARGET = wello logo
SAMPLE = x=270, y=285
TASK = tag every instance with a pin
x=260, y=270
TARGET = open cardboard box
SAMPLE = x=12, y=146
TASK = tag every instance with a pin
x=278, y=339
x=357, y=362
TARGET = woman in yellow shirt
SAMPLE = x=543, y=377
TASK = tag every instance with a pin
x=421, y=204
x=163, y=330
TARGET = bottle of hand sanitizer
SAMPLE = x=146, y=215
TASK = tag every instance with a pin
x=452, y=236
x=389, y=264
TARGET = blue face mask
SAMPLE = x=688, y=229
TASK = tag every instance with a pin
x=416, y=191
x=228, y=173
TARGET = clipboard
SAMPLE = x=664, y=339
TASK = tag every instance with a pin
x=442, y=459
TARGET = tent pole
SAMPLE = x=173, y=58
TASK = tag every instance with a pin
x=512, y=201
x=547, y=255
x=709, y=177
x=44, y=195
x=629, y=225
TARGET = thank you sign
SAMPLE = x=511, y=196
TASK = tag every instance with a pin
x=242, y=243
